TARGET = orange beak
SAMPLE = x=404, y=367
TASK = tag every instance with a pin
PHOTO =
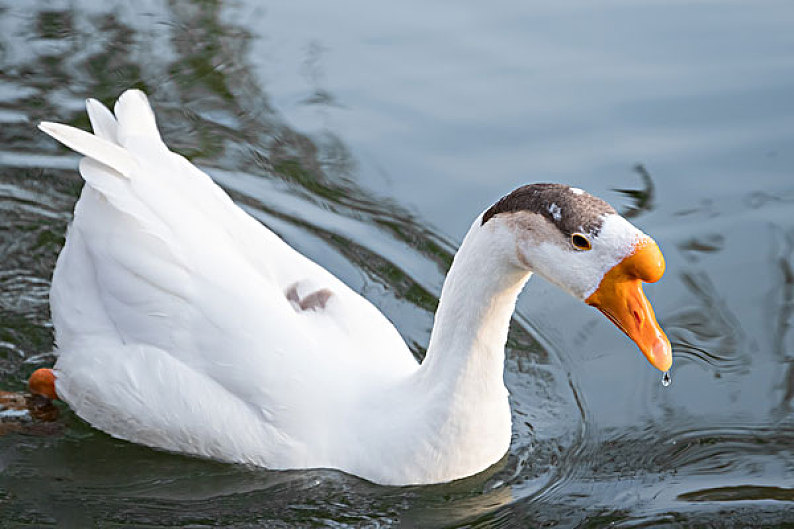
x=621, y=299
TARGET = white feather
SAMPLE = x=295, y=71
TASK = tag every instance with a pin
x=165, y=288
x=174, y=328
x=135, y=117
x=102, y=120
x=100, y=149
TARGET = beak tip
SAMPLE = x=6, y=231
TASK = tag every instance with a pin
x=662, y=355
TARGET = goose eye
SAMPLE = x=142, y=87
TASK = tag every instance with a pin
x=580, y=242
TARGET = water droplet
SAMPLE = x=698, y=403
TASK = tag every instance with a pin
x=667, y=379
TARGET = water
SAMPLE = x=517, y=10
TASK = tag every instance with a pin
x=369, y=137
x=666, y=379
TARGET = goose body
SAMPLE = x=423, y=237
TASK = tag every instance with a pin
x=182, y=323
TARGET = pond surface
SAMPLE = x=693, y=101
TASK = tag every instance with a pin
x=369, y=136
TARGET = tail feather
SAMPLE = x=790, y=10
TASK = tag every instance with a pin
x=112, y=185
x=120, y=194
x=100, y=149
x=135, y=116
x=102, y=120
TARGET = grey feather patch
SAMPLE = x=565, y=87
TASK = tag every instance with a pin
x=315, y=300
x=570, y=211
x=292, y=294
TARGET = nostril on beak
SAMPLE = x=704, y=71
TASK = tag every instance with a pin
x=637, y=317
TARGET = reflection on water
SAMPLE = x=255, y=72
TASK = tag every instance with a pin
x=597, y=440
x=642, y=198
x=706, y=330
x=740, y=494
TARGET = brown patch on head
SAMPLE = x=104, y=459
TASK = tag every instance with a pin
x=570, y=211
x=533, y=229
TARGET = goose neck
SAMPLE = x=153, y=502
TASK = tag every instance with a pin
x=477, y=302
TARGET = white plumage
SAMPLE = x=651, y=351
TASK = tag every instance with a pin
x=182, y=323
x=174, y=330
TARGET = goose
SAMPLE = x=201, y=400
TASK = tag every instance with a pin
x=184, y=324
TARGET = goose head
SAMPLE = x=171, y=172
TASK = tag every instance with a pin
x=581, y=244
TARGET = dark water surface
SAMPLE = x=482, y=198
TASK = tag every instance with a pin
x=369, y=136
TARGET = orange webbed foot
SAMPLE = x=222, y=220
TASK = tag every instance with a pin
x=42, y=382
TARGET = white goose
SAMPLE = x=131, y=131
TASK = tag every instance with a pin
x=182, y=323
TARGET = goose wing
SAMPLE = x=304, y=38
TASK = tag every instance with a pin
x=159, y=255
